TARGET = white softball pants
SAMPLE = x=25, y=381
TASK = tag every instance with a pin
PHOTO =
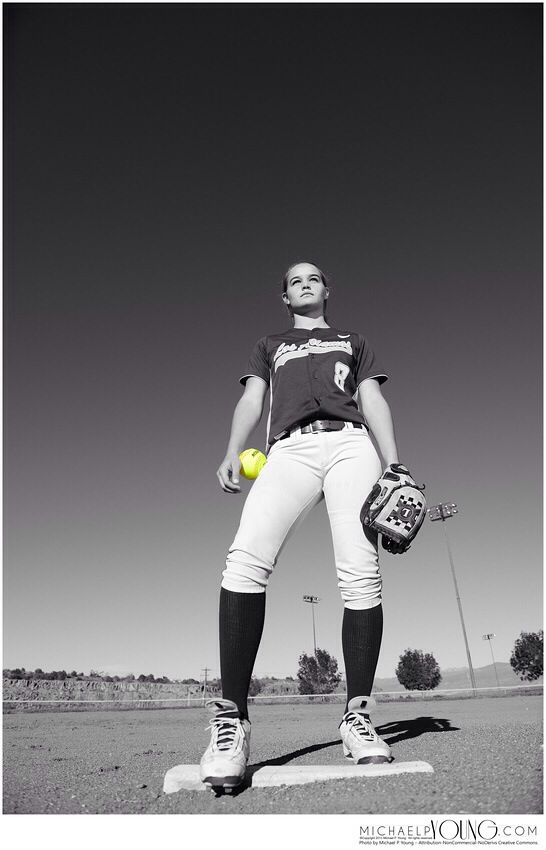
x=301, y=470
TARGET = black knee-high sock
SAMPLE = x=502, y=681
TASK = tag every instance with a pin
x=361, y=635
x=241, y=624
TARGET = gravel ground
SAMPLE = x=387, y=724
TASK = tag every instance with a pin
x=487, y=757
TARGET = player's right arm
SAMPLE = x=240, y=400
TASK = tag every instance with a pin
x=246, y=416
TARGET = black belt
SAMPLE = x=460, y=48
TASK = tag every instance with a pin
x=321, y=425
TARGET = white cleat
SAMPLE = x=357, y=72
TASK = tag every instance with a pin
x=224, y=762
x=361, y=743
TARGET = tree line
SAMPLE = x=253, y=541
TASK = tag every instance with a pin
x=213, y=685
x=61, y=675
x=319, y=674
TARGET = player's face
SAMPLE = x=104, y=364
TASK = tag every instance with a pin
x=305, y=293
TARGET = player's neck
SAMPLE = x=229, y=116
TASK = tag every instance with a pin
x=308, y=322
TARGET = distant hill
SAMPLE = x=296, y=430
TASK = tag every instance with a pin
x=459, y=678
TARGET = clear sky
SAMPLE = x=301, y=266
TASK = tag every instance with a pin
x=164, y=165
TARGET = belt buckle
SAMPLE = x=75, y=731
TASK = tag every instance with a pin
x=316, y=426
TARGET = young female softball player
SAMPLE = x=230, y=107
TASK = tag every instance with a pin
x=318, y=447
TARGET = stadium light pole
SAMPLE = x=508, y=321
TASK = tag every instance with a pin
x=489, y=638
x=313, y=600
x=443, y=512
x=205, y=670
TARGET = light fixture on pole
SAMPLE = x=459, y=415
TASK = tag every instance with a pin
x=443, y=512
x=313, y=600
x=489, y=638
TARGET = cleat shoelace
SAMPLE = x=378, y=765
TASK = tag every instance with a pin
x=226, y=729
x=361, y=725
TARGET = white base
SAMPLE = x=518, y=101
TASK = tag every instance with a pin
x=186, y=776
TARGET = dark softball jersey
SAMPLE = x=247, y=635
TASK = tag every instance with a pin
x=312, y=374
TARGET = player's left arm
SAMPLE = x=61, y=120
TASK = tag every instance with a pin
x=378, y=415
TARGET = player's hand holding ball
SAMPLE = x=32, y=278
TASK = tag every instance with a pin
x=248, y=463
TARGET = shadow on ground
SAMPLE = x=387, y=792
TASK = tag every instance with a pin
x=402, y=730
x=293, y=755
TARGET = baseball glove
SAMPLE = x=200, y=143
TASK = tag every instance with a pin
x=395, y=508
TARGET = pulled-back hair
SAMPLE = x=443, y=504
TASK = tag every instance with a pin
x=284, y=282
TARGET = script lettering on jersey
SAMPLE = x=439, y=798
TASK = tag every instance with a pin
x=286, y=352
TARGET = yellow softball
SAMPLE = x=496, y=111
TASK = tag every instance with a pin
x=252, y=462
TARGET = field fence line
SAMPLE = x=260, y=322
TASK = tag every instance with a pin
x=187, y=700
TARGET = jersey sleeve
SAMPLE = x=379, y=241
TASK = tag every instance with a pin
x=258, y=364
x=367, y=365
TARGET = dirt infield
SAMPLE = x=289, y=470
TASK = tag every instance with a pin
x=486, y=754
